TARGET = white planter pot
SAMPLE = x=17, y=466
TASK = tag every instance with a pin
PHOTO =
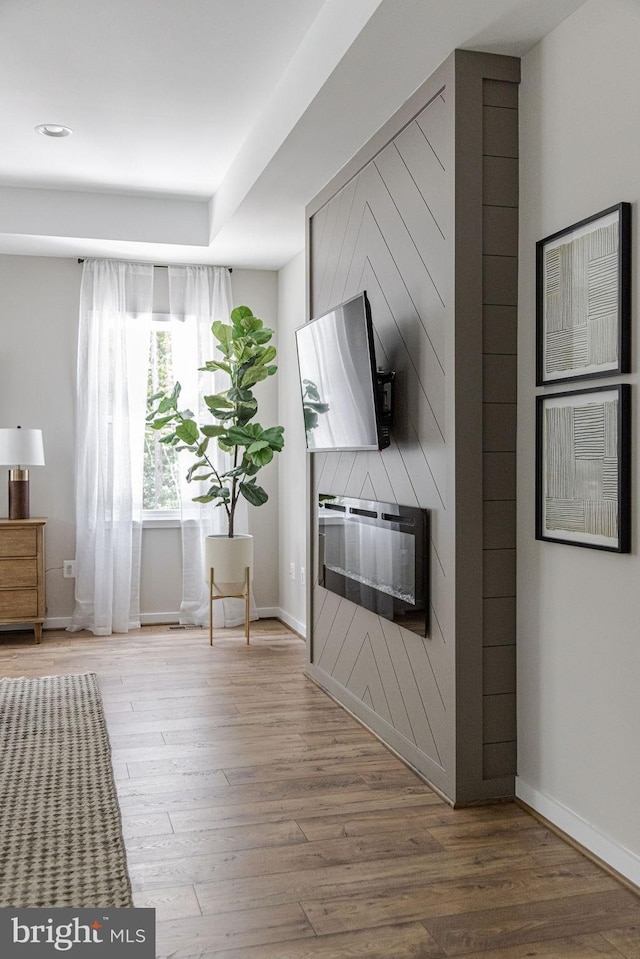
x=228, y=557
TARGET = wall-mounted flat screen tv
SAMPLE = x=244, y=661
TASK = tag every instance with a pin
x=345, y=400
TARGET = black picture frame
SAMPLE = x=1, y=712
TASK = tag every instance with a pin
x=578, y=457
x=583, y=299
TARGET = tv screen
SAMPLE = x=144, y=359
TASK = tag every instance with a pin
x=336, y=360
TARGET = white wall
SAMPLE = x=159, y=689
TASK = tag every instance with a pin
x=578, y=609
x=39, y=298
x=292, y=461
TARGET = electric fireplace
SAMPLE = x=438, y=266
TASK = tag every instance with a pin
x=376, y=555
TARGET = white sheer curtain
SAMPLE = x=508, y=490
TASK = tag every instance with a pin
x=198, y=295
x=113, y=349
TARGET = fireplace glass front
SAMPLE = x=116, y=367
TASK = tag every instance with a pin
x=375, y=554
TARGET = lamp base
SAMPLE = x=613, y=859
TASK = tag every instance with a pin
x=18, y=494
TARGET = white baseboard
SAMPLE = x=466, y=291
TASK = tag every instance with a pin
x=147, y=619
x=295, y=624
x=618, y=857
x=154, y=619
x=57, y=622
x=157, y=619
x=268, y=612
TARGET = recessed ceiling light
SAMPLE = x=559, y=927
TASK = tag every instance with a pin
x=53, y=130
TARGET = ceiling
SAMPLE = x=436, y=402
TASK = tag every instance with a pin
x=201, y=128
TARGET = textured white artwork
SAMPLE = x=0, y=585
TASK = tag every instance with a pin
x=580, y=301
x=580, y=468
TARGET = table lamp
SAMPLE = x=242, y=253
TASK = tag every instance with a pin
x=18, y=449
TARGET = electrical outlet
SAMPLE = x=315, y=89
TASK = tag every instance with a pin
x=69, y=568
x=292, y=570
x=303, y=578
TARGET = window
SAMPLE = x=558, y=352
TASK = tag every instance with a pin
x=161, y=484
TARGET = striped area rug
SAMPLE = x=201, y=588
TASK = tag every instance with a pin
x=60, y=829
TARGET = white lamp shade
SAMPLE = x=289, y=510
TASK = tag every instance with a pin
x=20, y=447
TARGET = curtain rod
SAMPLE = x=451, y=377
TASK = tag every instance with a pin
x=164, y=266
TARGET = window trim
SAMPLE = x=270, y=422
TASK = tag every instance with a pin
x=161, y=518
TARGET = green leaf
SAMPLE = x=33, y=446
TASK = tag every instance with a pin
x=158, y=424
x=240, y=435
x=268, y=355
x=246, y=412
x=238, y=395
x=224, y=335
x=253, y=494
x=310, y=419
x=167, y=403
x=196, y=466
x=240, y=313
x=223, y=417
x=217, y=401
x=254, y=375
x=310, y=390
x=188, y=431
x=212, y=365
x=262, y=455
x=274, y=436
x=203, y=499
x=212, y=430
x=202, y=449
x=256, y=446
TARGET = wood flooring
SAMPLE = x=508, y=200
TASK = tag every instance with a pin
x=263, y=822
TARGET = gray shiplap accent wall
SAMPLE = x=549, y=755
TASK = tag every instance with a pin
x=408, y=221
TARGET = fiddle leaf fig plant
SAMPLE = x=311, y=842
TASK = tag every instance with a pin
x=247, y=360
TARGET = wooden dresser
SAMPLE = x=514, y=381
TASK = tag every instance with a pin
x=22, y=593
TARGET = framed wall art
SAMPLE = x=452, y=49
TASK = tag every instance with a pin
x=583, y=298
x=583, y=468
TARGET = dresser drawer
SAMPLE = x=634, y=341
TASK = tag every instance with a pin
x=18, y=542
x=18, y=604
x=15, y=573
